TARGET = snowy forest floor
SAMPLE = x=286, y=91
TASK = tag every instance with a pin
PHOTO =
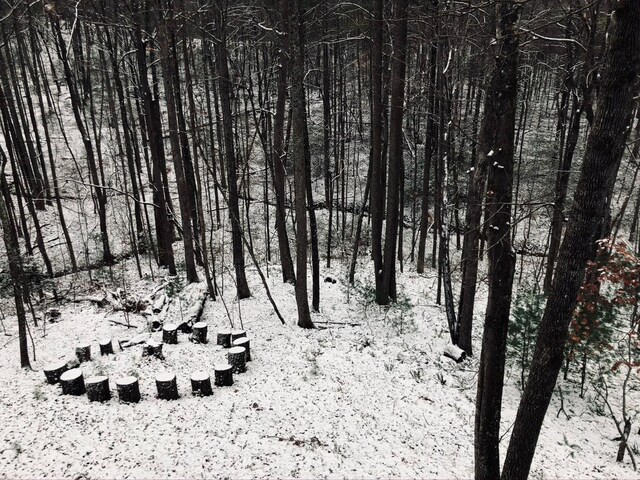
x=371, y=399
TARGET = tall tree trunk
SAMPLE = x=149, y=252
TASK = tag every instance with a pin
x=224, y=84
x=377, y=167
x=297, y=153
x=398, y=70
x=15, y=263
x=499, y=127
x=167, y=45
x=164, y=230
x=280, y=156
x=76, y=104
x=605, y=147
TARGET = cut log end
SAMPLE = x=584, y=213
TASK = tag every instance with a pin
x=235, y=334
x=167, y=386
x=201, y=384
x=106, y=346
x=223, y=373
x=455, y=353
x=83, y=352
x=224, y=338
x=53, y=371
x=237, y=359
x=98, y=389
x=72, y=382
x=128, y=389
x=244, y=342
x=170, y=334
x=153, y=349
x=199, y=333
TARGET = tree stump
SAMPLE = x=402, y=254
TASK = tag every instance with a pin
x=98, y=389
x=106, y=347
x=236, y=334
x=153, y=348
x=128, y=389
x=224, y=338
x=167, y=386
x=201, y=384
x=237, y=359
x=199, y=333
x=83, y=352
x=244, y=342
x=223, y=373
x=72, y=382
x=170, y=334
x=53, y=371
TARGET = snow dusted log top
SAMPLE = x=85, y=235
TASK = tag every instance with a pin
x=199, y=333
x=98, y=389
x=235, y=334
x=237, y=359
x=455, y=353
x=53, y=371
x=223, y=375
x=244, y=342
x=201, y=384
x=153, y=348
x=83, y=352
x=72, y=382
x=128, y=389
x=224, y=338
x=167, y=386
x=106, y=346
x=170, y=334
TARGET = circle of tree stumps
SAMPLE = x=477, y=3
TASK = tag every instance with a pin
x=98, y=389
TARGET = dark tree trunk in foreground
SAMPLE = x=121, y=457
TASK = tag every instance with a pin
x=398, y=70
x=377, y=191
x=224, y=84
x=499, y=127
x=605, y=147
x=167, y=44
x=153, y=126
x=77, y=104
x=279, y=157
x=15, y=263
x=297, y=154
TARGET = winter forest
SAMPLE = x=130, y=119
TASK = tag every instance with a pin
x=319, y=239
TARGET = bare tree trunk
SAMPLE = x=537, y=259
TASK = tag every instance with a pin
x=499, y=127
x=280, y=156
x=224, y=85
x=167, y=45
x=398, y=70
x=15, y=263
x=377, y=166
x=297, y=152
x=605, y=147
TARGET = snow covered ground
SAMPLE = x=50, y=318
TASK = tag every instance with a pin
x=370, y=398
